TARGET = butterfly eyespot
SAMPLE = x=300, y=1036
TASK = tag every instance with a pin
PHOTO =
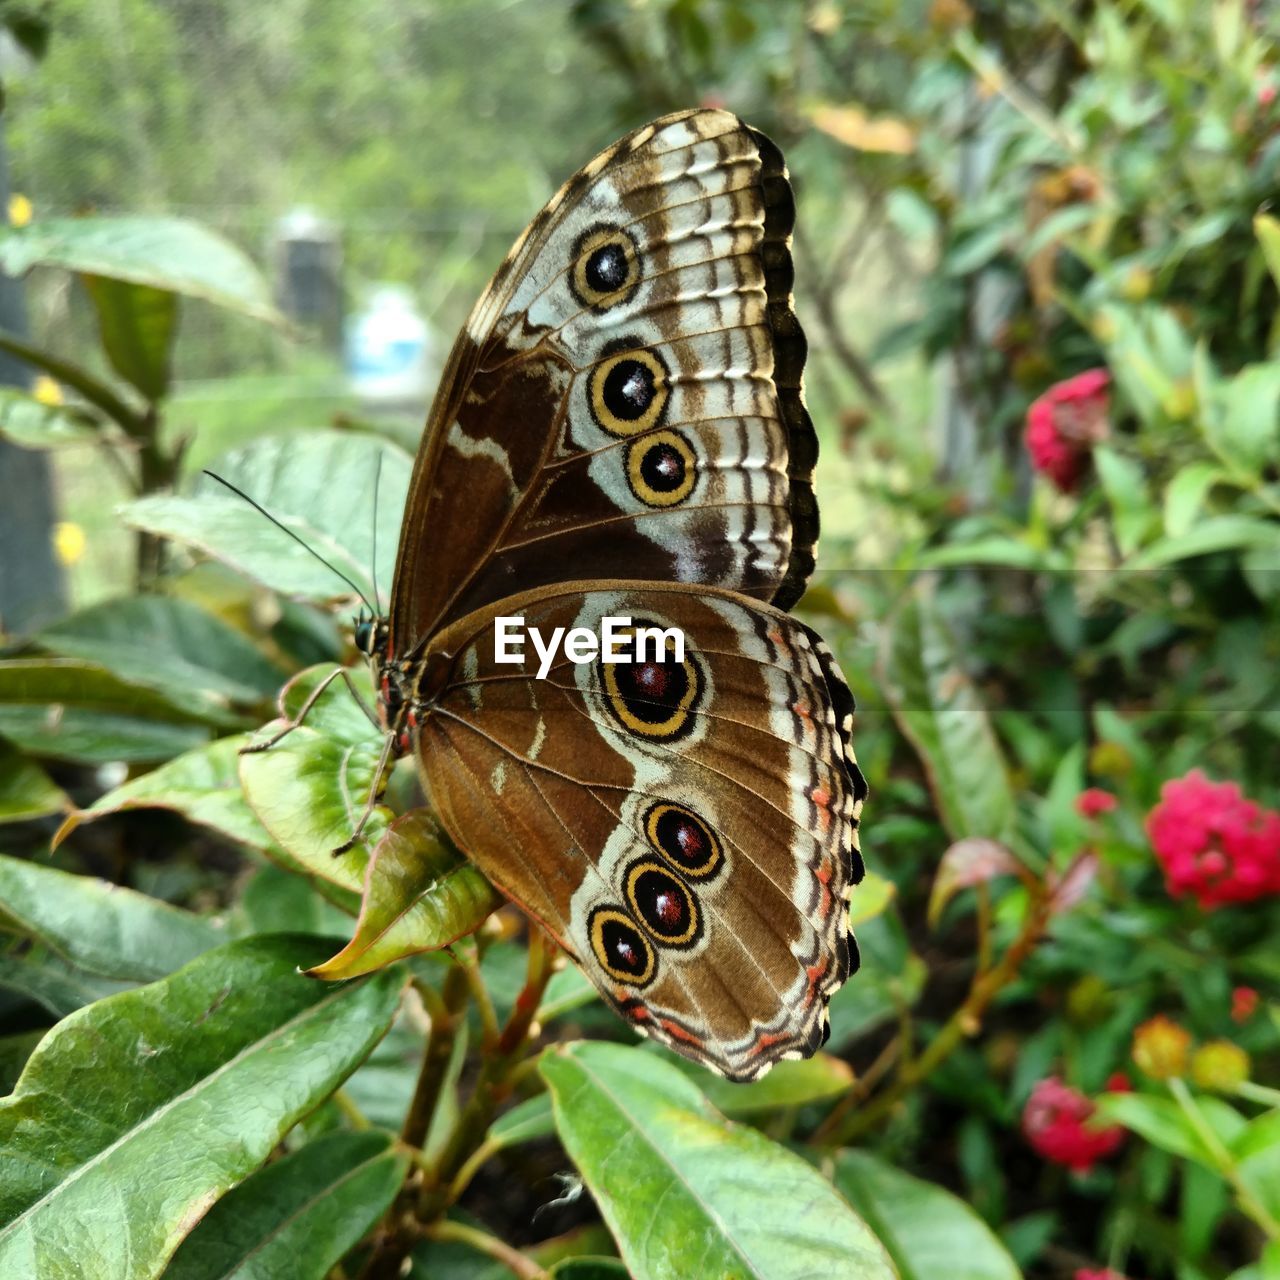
x=661, y=469
x=628, y=392
x=621, y=948
x=663, y=905
x=655, y=699
x=682, y=837
x=606, y=268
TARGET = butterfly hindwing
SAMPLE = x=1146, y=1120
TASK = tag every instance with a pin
x=688, y=830
x=625, y=399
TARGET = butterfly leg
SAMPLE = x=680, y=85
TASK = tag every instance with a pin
x=376, y=788
x=305, y=710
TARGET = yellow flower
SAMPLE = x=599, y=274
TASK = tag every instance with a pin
x=1220, y=1065
x=46, y=390
x=69, y=541
x=20, y=210
x=1160, y=1048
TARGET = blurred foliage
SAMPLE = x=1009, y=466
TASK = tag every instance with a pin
x=1051, y=1062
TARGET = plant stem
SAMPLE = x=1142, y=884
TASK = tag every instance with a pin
x=1224, y=1161
x=490, y=1246
x=963, y=1023
x=425, y=1196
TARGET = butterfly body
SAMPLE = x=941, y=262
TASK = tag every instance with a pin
x=620, y=433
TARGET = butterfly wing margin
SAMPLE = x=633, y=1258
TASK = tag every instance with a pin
x=697, y=868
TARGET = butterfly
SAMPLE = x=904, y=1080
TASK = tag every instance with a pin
x=620, y=432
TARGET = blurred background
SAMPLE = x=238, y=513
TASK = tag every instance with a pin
x=1037, y=256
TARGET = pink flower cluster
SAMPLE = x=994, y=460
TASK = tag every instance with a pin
x=1056, y=1122
x=1213, y=843
x=1065, y=423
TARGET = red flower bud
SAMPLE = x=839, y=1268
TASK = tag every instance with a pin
x=1056, y=1122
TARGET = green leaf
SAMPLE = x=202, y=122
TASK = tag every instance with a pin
x=420, y=894
x=644, y=1138
x=320, y=486
x=137, y=324
x=189, y=1084
x=199, y=663
x=872, y=895
x=1164, y=1124
x=53, y=984
x=1123, y=481
x=31, y=424
x=100, y=927
x=75, y=710
x=928, y=1231
x=890, y=979
x=1243, y=426
x=26, y=791
x=1217, y=533
x=203, y=785
x=995, y=550
x=168, y=253
x=568, y=989
x=277, y=900
x=1186, y=494
x=310, y=789
x=1267, y=229
x=299, y=1215
x=525, y=1122
x=942, y=715
x=788, y=1084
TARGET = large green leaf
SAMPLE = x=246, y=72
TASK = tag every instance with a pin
x=420, y=894
x=136, y=1113
x=32, y=424
x=927, y=1231
x=196, y=660
x=310, y=789
x=320, y=486
x=298, y=1216
x=1216, y=533
x=203, y=785
x=941, y=713
x=100, y=927
x=137, y=324
x=77, y=710
x=788, y=1084
x=686, y=1192
x=49, y=981
x=164, y=252
x=26, y=791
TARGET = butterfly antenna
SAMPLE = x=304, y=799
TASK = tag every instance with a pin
x=258, y=507
x=377, y=477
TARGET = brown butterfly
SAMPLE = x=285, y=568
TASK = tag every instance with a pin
x=620, y=432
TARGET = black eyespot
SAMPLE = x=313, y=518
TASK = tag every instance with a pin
x=684, y=839
x=661, y=469
x=629, y=389
x=606, y=268
x=667, y=908
x=620, y=947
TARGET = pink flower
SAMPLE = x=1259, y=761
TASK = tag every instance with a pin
x=1244, y=1004
x=1055, y=1122
x=1065, y=423
x=1093, y=801
x=1213, y=843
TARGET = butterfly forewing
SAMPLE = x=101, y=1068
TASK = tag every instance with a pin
x=687, y=829
x=625, y=398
